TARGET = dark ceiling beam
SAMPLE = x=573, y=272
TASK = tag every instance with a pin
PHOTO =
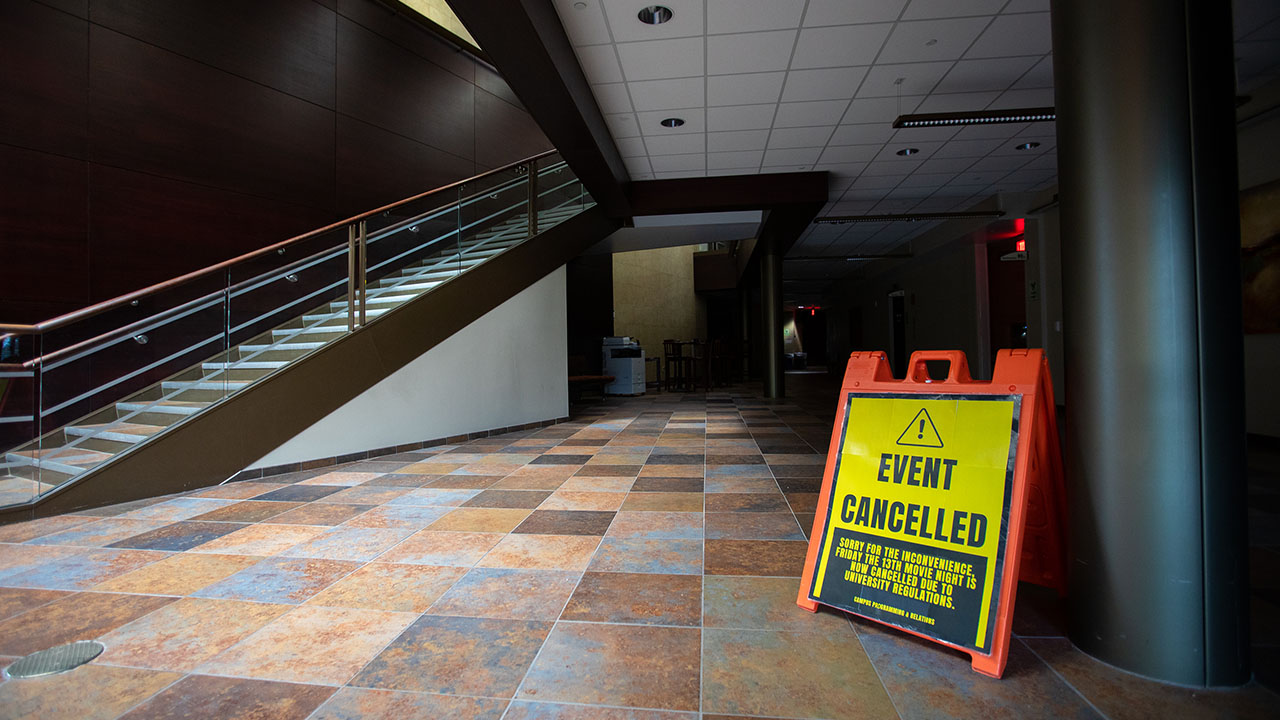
x=529, y=47
x=727, y=193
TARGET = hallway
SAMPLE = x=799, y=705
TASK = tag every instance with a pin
x=642, y=557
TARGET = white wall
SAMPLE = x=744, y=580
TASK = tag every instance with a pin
x=507, y=368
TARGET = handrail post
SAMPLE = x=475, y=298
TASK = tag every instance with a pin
x=37, y=417
x=533, y=197
x=364, y=271
x=352, y=256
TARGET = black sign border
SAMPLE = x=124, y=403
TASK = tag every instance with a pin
x=1010, y=469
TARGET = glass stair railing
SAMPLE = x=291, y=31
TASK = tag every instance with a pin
x=81, y=389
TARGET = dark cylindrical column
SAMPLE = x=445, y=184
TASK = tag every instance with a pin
x=1146, y=155
x=771, y=312
x=744, y=300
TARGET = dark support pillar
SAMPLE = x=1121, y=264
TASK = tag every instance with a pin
x=744, y=299
x=771, y=314
x=1150, y=264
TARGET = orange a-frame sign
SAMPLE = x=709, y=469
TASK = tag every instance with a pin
x=937, y=497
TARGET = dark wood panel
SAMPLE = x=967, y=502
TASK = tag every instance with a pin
x=392, y=21
x=287, y=45
x=392, y=88
x=43, y=85
x=43, y=204
x=505, y=133
x=157, y=112
x=366, y=181
x=79, y=8
x=146, y=229
x=491, y=82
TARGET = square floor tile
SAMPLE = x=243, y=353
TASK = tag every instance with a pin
x=340, y=477
x=457, y=656
x=400, y=479
x=90, y=692
x=99, y=532
x=547, y=552
x=747, y=502
x=175, y=509
x=629, y=665
x=15, y=601
x=753, y=526
x=179, y=536
x=233, y=699
x=648, y=556
x=499, y=520
x=180, y=574
x=580, y=500
x=280, y=580
x=551, y=459
x=764, y=558
x=528, y=482
x=393, y=587
x=672, y=471
x=657, y=525
x=522, y=499
x=637, y=599
x=311, y=644
x=349, y=543
x=247, y=511
x=352, y=703
x=300, y=493
x=764, y=603
x=242, y=490
x=508, y=593
x=436, y=547
x=82, y=616
x=663, y=502
x=602, y=468
x=261, y=539
x=437, y=497
x=185, y=633
x=411, y=517
x=523, y=710
x=565, y=522
x=782, y=674
x=364, y=495
x=598, y=484
x=667, y=484
x=318, y=513
x=24, y=531
x=465, y=481
x=741, y=485
x=80, y=568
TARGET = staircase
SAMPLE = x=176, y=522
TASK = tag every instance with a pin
x=71, y=453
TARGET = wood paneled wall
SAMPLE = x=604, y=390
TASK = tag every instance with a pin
x=141, y=139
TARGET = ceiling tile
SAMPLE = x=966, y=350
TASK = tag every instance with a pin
x=631, y=147
x=612, y=98
x=850, y=153
x=807, y=114
x=998, y=164
x=931, y=40
x=659, y=59
x=671, y=163
x=686, y=20
x=910, y=79
x=678, y=174
x=1011, y=35
x=880, y=110
x=880, y=182
x=945, y=165
x=1047, y=161
x=924, y=134
x=924, y=9
x=927, y=180
x=676, y=144
x=1249, y=15
x=800, y=137
x=1001, y=130
x=1040, y=76
x=926, y=150
x=792, y=156
x=746, y=89
x=741, y=117
x=750, y=52
x=1026, y=6
x=737, y=140
x=584, y=25
x=845, y=171
x=1010, y=147
x=621, y=126
x=865, y=134
x=651, y=122
x=844, y=12
x=992, y=74
x=967, y=148
x=956, y=102
x=599, y=63
x=636, y=165
x=737, y=16
x=1024, y=98
x=742, y=159
x=668, y=94
x=896, y=166
x=842, y=46
x=826, y=84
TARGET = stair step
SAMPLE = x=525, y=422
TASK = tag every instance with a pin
x=162, y=413
x=127, y=433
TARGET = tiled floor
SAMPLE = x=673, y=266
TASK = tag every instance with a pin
x=639, y=562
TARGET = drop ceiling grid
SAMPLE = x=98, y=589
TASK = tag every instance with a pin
x=804, y=127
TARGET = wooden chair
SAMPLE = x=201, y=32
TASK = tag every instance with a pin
x=675, y=364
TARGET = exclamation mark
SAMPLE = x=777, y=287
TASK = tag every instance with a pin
x=920, y=436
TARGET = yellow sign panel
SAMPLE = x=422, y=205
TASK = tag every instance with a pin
x=915, y=532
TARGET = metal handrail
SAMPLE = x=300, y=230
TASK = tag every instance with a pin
x=119, y=301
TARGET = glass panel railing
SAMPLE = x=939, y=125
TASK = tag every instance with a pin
x=80, y=389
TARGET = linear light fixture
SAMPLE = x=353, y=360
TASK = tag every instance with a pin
x=906, y=217
x=977, y=117
x=850, y=258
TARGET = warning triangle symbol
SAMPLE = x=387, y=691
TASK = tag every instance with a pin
x=921, y=432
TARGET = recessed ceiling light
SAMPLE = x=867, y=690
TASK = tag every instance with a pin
x=1027, y=146
x=579, y=6
x=931, y=43
x=654, y=15
x=908, y=151
x=672, y=122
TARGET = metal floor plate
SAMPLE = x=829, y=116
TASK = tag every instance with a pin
x=56, y=659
